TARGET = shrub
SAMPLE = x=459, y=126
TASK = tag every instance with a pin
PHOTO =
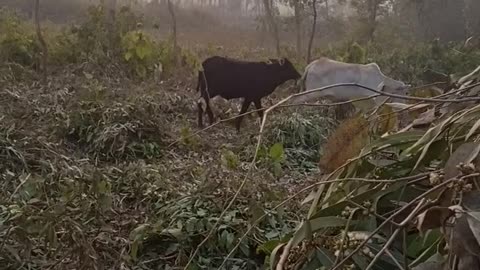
x=122, y=129
x=139, y=52
x=63, y=48
x=17, y=40
x=302, y=135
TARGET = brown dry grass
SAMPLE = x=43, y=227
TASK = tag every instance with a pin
x=344, y=143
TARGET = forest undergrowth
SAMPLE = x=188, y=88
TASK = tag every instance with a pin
x=102, y=165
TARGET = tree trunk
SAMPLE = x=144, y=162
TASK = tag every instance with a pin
x=43, y=44
x=171, y=10
x=312, y=34
x=372, y=18
x=327, y=10
x=273, y=25
x=298, y=25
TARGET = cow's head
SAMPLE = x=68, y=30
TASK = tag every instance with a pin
x=287, y=70
x=397, y=88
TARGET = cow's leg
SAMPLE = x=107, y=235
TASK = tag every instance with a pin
x=258, y=106
x=200, y=113
x=209, y=112
x=245, y=105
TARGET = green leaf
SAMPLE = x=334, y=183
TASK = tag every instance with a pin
x=428, y=137
x=360, y=198
x=105, y=202
x=102, y=187
x=360, y=261
x=394, y=140
x=134, y=250
x=138, y=232
x=269, y=246
x=418, y=244
x=375, y=248
x=51, y=236
x=309, y=226
x=427, y=253
x=128, y=56
x=277, y=152
x=143, y=50
x=473, y=219
x=325, y=257
x=273, y=256
x=230, y=160
x=277, y=169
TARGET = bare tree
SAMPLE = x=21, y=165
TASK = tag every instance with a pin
x=273, y=26
x=171, y=10
x=372, y=6
x=369, y=11
x=41, y=40
x=312, y=34
x=297, y=5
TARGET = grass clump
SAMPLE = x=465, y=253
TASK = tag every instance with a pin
x=302, y=135
x=17, y=40
x=120, y=130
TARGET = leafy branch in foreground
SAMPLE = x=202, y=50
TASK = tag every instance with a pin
x=439, y=211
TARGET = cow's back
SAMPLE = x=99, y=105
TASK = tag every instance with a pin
x=232, y=78
x=327, y=72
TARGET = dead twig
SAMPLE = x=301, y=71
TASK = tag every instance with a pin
x=344, y=236
x=394, y=235
x=19, y=186
x=397, y=263
x=284, y=256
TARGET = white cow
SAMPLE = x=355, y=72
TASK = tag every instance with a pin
x=324, y=72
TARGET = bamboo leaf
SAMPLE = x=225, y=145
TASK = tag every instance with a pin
x=309, y=226
x=273, y=256
x=325, y=257
x=473, y=130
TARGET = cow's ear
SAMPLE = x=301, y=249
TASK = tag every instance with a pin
x=281, y=61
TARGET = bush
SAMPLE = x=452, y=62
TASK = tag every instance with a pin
x=17, y=40
x=139, y=52
x=63, y=48
x=302, y=135
x=119, y=130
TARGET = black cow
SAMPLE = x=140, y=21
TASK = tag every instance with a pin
x=230, y=78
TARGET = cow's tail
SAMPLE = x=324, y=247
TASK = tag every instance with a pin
x=202, y=87
x=199, y=81
x=302, y=80
x=301, y=83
